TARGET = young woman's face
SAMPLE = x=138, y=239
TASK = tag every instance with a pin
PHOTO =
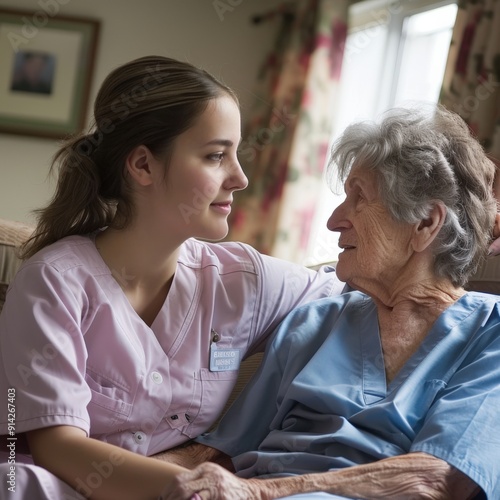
x=203, y=172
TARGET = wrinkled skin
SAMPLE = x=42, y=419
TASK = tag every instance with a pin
x=212, y=481
x=415, y=475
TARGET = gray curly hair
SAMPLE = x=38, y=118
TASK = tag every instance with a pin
x=420, y=158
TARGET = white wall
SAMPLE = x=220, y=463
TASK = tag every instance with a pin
x=191, y=30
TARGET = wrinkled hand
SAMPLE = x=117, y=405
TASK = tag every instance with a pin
x=211, y=482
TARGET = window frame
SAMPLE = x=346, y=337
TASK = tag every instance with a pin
x=363, y=14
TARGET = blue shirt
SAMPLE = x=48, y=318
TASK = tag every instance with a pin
x=320, y=400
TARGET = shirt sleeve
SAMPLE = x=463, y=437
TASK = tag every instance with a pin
x=283, y=287
x=459, y=426
x=260, y=406
x=43, y=351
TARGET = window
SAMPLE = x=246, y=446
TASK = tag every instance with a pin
x=395, y=53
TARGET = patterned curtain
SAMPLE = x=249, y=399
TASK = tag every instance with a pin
x=285, y=141
x=471, y=87
x=471, y=84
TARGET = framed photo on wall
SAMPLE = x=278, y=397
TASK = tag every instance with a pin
x=46, y=65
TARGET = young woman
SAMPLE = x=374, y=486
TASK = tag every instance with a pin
x=122, y=334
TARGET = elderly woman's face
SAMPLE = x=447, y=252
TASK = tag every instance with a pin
x=375, y=247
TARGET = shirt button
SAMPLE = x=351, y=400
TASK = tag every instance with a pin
x=139, y=437
x=157, y=378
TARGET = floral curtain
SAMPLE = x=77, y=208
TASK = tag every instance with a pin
x=471, y=84
x=471, y=87
x=286, y=138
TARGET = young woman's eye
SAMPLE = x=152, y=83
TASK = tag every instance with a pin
x=216, y=156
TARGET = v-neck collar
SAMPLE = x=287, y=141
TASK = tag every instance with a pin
x=168, y=329
x=373, y=367
x=375, y=387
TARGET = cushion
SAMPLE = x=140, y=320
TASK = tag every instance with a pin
x=12, y=235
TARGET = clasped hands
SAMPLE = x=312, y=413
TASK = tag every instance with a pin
x=210, y=481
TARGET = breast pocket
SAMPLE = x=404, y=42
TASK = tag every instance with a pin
x=213, y=389
x=110, y=406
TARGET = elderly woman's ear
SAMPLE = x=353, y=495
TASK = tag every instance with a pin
x=427, y=229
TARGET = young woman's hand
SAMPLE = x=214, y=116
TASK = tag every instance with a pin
x=68, y=453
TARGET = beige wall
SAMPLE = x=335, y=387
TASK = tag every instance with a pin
x=192, y=30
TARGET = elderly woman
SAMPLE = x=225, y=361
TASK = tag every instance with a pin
x=391, y=391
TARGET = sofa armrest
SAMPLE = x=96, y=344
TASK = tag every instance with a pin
x=12, y=235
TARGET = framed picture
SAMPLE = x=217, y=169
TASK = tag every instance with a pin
x=46, y=64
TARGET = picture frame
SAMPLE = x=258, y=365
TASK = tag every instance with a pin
x=46, y=67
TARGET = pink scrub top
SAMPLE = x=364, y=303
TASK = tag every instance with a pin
x=78, y=354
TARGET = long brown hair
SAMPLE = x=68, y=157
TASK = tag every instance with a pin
x=148, y=101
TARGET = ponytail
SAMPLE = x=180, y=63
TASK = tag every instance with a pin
x=77, y=206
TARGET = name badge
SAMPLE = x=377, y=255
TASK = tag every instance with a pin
x=223, y=360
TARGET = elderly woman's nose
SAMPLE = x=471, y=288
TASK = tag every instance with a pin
x=337, y=220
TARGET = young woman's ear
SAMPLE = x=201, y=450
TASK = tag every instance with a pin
x=427, y=229
x=139, y=164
